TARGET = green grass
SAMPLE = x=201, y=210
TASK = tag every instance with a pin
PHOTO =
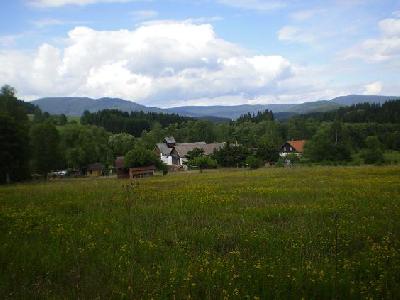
x=322, y=232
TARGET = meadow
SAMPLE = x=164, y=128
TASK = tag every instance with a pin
x=307, y=232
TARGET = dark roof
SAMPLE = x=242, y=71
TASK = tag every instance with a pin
x=120, y=162
x=169, y=140
x=163, y=148
x=184, y=148
x=95, y=167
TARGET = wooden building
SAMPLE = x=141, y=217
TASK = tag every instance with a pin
x=122, y=171
x=141, y=172
x=95, y=170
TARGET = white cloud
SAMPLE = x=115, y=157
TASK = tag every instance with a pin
x=140, y=15
x=58, y=3
x=155, y=64
x=306, y=14
x=41, y=23
x=260, y=5
x=294, y=34
x=384, y=48
x=374, y=88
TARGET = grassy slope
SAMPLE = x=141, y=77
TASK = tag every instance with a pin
x=313, y=232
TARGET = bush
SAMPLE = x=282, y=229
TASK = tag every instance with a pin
x=203, y=162
x=253, y=162
x=141, y=157
x=373, y=154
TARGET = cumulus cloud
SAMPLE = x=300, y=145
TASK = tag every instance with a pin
x=156, y=63
x=374, y=88
x=384, y=48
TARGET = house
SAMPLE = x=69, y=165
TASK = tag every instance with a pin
x=292, y=147
x=122, y=171
x=174, y=154
x=95, y=170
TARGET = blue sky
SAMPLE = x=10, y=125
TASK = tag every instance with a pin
x=200, y=52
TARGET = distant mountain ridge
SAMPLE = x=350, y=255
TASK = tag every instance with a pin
x=75, y=106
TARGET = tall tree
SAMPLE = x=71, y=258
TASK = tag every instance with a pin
x=14, y=140
x=45, y=148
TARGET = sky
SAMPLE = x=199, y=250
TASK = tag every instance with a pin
x=201, y=52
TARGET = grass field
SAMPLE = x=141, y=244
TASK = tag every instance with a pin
x=322, y=232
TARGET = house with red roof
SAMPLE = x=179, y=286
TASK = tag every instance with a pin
x=292, y=147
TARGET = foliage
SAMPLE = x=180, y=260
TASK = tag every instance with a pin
x=253, y=162
x=14, y=150
x=196, y=152
x=141, y=157
x=14, y=138
x=267, y=151
x=373, y=153
x=330, y=143
x=83, y=145
x=120, y=144
x=44, y=145
x=134, y=123
x=321, y=232
x=202, y=162
x=231, y=155
x=388, y=112
x=266, y=115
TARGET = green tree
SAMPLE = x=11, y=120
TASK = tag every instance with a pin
x=231, y=155
x=196, y=152
x=121, y=143
x=14, y=150
x=330, y=143
x=373, y=154
x=14, y=138
x=142, y=157
x=83, y=145
x=268, y=151
x=45, y=148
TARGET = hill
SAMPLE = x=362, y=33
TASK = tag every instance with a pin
x=75, y=106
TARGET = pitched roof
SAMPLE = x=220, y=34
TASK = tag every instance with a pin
x=169, y=140
x=298, y=145
x=163, y=148
x=184, y=148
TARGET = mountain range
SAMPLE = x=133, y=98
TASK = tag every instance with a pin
x=75, y=106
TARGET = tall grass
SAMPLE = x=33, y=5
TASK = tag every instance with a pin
x=322, y=232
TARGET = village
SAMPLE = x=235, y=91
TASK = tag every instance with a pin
x=175, y=156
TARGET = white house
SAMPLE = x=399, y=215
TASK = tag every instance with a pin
x=174, y=154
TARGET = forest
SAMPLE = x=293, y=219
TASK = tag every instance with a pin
x=34, y=142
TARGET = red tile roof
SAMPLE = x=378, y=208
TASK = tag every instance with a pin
x=298, y=145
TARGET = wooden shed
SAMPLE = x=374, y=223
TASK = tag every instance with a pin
x=122, y=171
x=142, y=172
x=95, y=170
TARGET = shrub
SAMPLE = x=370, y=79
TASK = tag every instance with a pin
x=373, y=154
x=253, y=162
x=203, y=162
